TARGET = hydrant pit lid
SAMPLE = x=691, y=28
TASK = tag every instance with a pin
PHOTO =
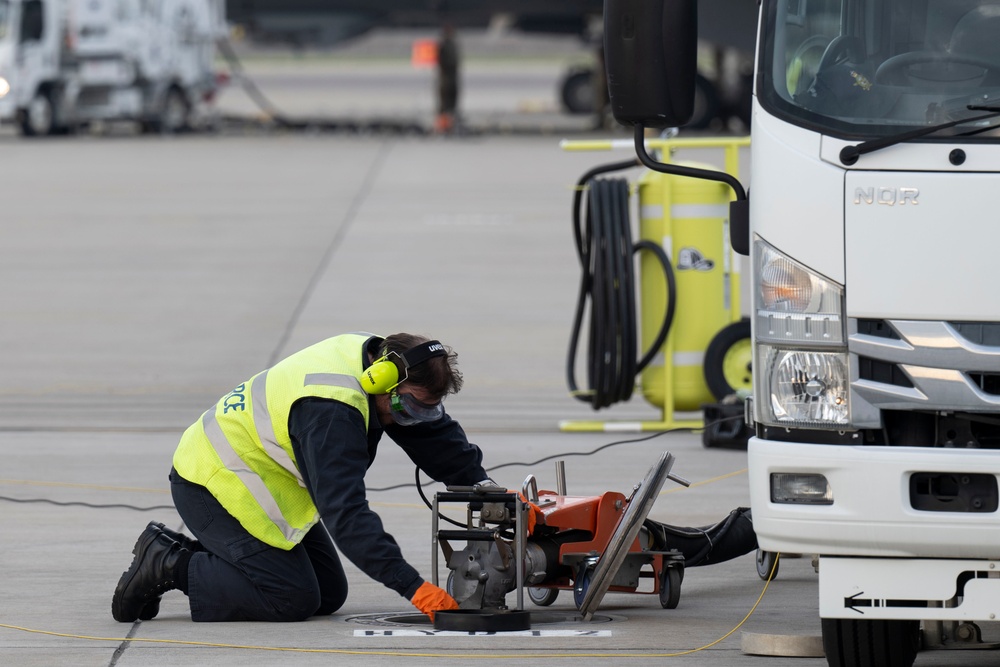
x=482, y=620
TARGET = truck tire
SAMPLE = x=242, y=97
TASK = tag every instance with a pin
x=173, y=115
x=875, y=643
x=577, y=91
x=39, y=117
x=706, y=104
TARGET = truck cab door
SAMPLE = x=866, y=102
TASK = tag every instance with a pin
x=32, y=63
x=37, y=55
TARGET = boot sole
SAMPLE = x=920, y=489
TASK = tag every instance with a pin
x=146, y=539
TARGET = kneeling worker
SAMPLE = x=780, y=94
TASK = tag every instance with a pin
x=254, y=476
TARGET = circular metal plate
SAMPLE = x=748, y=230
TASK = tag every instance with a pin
x=482, y=620
x=625, y=533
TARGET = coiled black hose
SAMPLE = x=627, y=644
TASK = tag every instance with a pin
x=605, y=250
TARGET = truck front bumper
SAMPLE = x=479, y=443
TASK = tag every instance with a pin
x=8, y=109
x=872, y=514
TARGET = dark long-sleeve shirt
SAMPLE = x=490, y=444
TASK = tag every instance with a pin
x=334, y=452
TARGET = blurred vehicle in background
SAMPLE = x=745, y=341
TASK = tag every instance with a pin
x=726, y=26
x=67, y=63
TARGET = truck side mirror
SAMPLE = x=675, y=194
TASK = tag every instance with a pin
x=651, y=50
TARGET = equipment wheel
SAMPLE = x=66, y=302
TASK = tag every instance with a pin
x=767, y=561
x=947, y=68
x=449, y=585
x=582, y=583
x=39, y=117
x=729, y=360
x=543, y=597
x=870, y=643
x=670, y=587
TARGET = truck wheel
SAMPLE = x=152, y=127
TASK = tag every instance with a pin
x=39, y=117
x=173, y=116
x=578, y=91
x=728, y=360
x=706, y=104
x=875, y=643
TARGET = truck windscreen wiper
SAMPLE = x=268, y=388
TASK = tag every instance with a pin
x=849, y=154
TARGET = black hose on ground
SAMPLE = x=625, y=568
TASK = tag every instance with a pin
x=263, y=103
x=707, y=545
x=605, y=250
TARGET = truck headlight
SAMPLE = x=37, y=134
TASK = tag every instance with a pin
x=804, y=387
x=801, y=368
x=4, y=86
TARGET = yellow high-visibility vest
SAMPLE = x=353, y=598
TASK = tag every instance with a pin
x=240, y=449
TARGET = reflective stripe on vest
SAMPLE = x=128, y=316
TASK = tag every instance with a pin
x=265, y=430
x=265, y=434
x=249, y=478
x=334, y=380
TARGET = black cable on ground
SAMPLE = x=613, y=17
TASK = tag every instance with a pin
x=261, y=100
x=283, y=121
x=550, y=457
x=78, y=503
x=605, y=250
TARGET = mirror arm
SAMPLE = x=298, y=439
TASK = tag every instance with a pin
x=678, y=170
x=739, y=210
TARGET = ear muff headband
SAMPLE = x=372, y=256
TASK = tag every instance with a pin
x=418, y=354
x=383, y=375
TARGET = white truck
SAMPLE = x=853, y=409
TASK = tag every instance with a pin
x=875, y=325
x=67, y=63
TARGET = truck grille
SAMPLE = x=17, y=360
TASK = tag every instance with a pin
x=989, y=383
x=882, y=372
x=979, y=333
x=879, y=328
x=920, y=365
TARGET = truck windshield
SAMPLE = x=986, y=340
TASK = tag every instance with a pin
x=864, y=68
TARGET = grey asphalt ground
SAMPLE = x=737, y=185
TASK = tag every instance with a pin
x=145, y=276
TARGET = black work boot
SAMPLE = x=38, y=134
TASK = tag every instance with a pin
x=188, y=543
x=152, y=573
x=152, y=608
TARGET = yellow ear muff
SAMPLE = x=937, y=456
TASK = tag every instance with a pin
x=381, y=377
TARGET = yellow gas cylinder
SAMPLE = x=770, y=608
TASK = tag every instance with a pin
x=689, y=218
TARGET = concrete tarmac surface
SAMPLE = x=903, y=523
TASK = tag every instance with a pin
x=145, y=276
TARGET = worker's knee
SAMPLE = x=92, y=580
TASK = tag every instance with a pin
x=296, y=604
x=332, y=600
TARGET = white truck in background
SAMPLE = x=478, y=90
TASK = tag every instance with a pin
x=876, y=324
x=67, y=63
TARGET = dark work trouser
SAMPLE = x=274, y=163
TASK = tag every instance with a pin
x=240, y=578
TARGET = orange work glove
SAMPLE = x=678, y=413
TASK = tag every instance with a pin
x=535, y=515
x=430, y=598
